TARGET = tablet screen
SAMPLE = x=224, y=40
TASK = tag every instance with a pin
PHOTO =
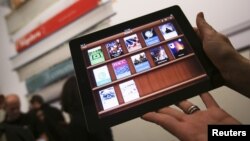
x=140, y=64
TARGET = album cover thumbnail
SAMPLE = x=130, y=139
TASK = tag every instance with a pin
x=108, y=98
x=159, y=55
x=168, y=31
x=177, y=48
x=132, y=43
x=114, y=48
x=140, y=62
x=96, y=55
x=129, y=91
x=102, y=75
x=150, y=37
x=121, y=68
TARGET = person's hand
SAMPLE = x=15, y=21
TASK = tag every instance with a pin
x=190, y=127
x=223, y=55
x=217, y=46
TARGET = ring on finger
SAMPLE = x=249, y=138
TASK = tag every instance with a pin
x=192, y=109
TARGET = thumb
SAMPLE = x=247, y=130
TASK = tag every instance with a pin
x=204, y=28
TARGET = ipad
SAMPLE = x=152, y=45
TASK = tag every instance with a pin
x=139, y=66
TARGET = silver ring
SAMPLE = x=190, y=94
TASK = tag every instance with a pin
x=192, y=109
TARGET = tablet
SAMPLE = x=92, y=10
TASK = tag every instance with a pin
x=139, y=66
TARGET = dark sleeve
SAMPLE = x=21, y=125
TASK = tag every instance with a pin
x=56, y=123
x=35, y=125
x=103, y=135
x=15, y=133
x=59, y=115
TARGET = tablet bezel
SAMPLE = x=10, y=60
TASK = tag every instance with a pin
x=93, y=121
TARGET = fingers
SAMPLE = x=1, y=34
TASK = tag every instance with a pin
x=204, y=28
x=184, y=105
x=172, y=112
x=166, y=121
x=208, y=100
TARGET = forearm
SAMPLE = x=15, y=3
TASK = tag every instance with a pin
x=239, y=77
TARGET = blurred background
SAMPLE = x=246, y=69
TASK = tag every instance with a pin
x=35, y=57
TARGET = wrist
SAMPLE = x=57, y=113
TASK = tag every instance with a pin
x=238, y=74
x=231, y=67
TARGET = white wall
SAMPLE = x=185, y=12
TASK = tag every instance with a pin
x=221, y=14
x=9, y=81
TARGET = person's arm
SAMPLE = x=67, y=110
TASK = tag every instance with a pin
x=234, y=68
